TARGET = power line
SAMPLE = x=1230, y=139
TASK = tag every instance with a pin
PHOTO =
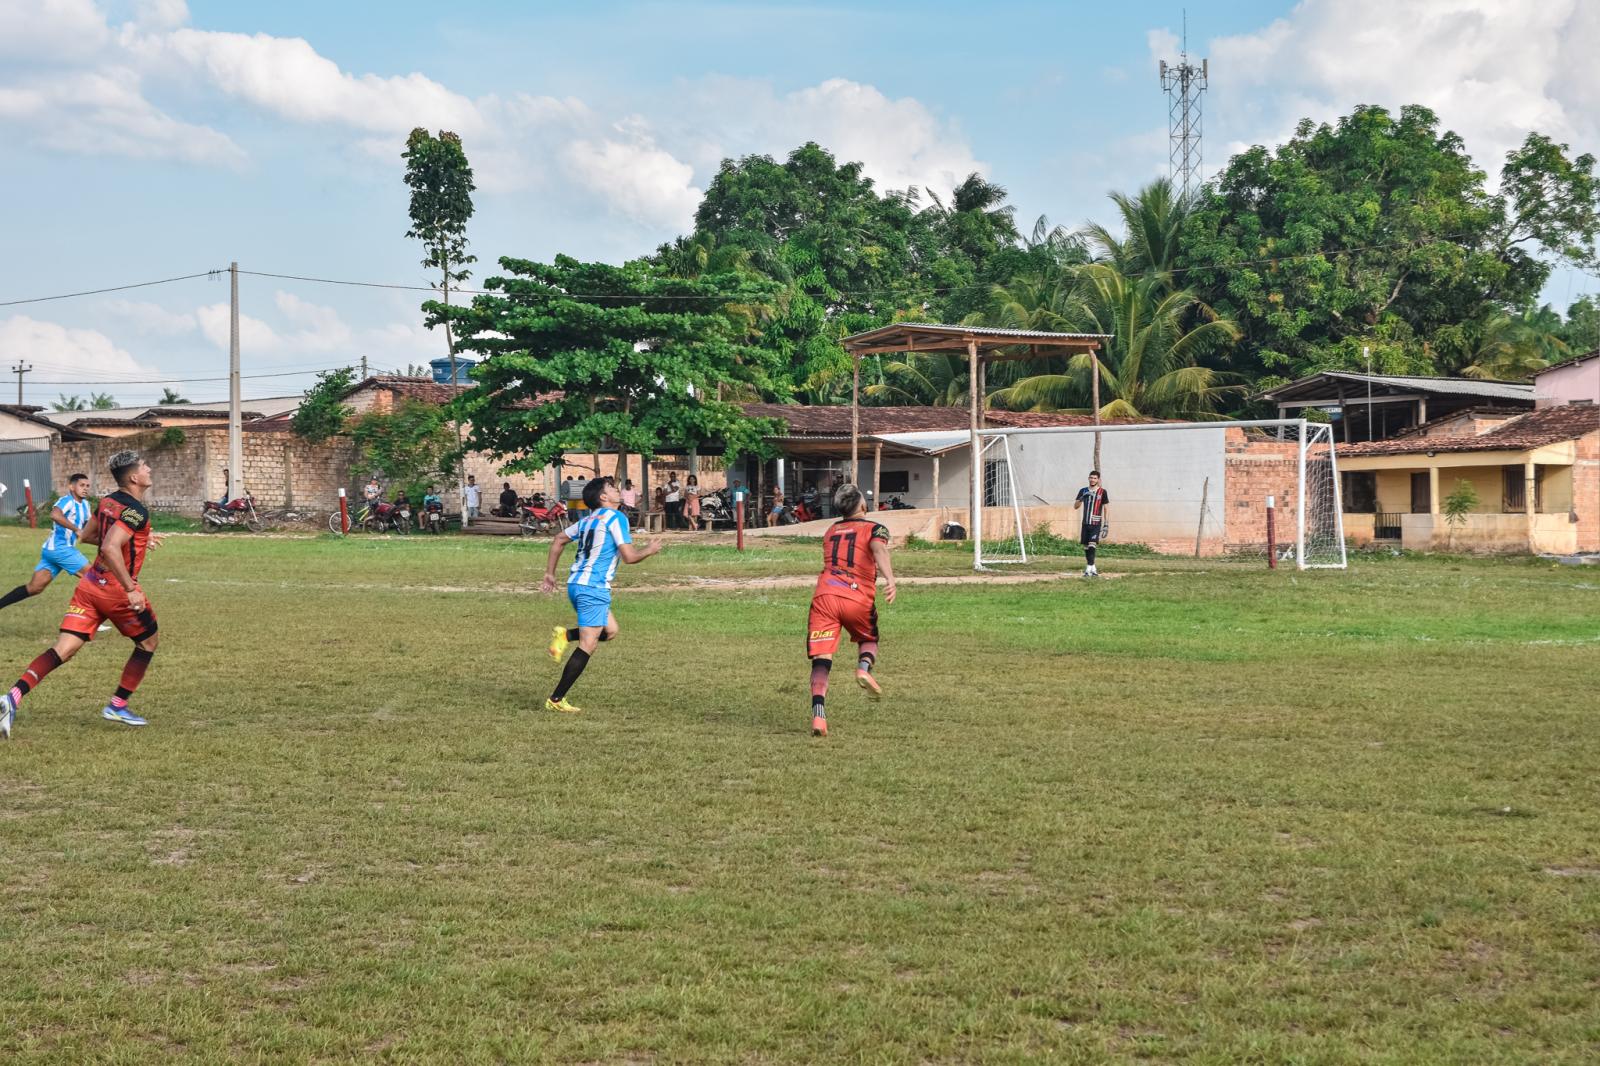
x=113, y=288
x=182, y=381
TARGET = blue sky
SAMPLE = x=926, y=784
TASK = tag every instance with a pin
x=149, y=139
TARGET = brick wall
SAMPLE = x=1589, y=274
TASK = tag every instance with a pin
x=1255, y=469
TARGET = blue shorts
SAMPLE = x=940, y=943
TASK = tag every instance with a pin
x=593, y=605
x=57, y=560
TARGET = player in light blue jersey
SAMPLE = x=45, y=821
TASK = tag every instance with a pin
x=60, y=553
x=603, y=538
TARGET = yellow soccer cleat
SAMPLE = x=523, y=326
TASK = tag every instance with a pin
x=558, y=642
x=561, y=705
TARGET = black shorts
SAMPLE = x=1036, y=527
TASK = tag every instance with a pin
x=1089, y=534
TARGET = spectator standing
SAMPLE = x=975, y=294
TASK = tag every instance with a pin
x=775, y=516
x=691, y=502
x=674, y=502
x=474, y=497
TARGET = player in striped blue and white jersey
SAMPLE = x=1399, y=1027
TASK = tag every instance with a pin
x=60, y=553
x=603, y=538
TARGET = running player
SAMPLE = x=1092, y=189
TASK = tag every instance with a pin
x=107, y=590
x=1094, y=501
x=855, y=550
x=603, y=537
x=60, y=553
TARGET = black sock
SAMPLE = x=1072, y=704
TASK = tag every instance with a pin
x=570, y=675
x=1088, y=553
x=572, y=634
x=16, y=595
x=866, y=661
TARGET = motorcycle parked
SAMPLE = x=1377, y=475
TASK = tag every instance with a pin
x=541, y=516
x=239, y=512
x=389, y=516
x=895, y=503
x=432, y=514
x=716, y=507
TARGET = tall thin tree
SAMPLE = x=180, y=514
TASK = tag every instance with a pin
x=440, y=180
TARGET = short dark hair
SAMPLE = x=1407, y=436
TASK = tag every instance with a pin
x=124, y=463
x=1094, y=473
x=592, y=491
x=77, y=477
x=846, y=498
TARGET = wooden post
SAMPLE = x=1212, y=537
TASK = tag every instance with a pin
x=1094, y=357
x=645, y=501
x=1200, y=531
x=877, y=465
x=975, y=474
x=855, y=421
x=935, y=483
x=1272, y=535
x=1530, y=492
x=344, y=514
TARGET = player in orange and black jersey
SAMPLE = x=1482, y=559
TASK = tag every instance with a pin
x=855, y=550
x=107, y=591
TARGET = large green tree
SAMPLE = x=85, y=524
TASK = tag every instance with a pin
x=413, y=446
x=1377, y=231
x=440, y=180
x=583, y=356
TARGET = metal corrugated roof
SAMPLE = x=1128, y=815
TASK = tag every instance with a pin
x=1498, y=390
x=932, y=442
x=978, y=331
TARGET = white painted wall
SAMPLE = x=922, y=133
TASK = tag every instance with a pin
x=1155, y=478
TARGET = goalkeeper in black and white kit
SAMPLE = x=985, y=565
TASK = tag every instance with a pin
x=1094, y=500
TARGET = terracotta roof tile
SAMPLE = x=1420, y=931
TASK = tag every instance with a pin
x=1550, y=425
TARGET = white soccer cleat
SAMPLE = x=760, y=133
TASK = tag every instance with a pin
x=8, y=714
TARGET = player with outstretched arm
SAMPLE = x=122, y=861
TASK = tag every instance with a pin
x=602, y=537
x=108, y=591
x=855, y=550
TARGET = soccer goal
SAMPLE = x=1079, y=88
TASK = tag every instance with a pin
x=1249, y=491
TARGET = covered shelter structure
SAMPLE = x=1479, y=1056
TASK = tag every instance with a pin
x=1374, y=407
x=983, y=345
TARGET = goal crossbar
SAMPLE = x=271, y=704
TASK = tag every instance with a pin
x=1315, y=529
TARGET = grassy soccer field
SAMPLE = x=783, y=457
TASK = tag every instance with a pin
x=1192, y=814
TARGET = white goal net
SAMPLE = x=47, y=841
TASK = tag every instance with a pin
x=1206, y=489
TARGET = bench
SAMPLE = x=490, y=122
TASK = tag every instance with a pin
x=654, y=521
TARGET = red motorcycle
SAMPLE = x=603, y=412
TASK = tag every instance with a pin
x=540, y=517
x=239, y=512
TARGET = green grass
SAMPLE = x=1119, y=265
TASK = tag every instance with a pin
x=1200, y=813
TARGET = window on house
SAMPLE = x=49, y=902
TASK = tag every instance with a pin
x=894, y=481
x=1361, y=492
x=1514, y=498
x=1421, y=493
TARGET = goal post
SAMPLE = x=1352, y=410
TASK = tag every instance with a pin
x=1177, y=488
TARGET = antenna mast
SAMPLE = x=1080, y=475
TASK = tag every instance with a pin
x=1183, y=85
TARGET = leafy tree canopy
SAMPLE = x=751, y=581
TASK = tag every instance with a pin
x=1379, y=231
x=579, y=355
x=323, y=412
x=413, y=446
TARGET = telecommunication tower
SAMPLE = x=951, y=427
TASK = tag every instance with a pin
x=1183, y=85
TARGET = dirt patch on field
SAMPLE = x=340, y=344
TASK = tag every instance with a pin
x=698, y=584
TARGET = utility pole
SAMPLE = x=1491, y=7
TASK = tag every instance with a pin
x=1183, y=85
x=20, y=370
x=363, y=369
x=235, y=443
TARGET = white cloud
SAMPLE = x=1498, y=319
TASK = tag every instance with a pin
x=152, y=318
x=61, y=353
x=254, y=334
x=44, y=29
x=637, y=179
x=899, y=142
x=1491, y=69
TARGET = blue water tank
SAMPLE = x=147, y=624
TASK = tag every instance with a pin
x=441, y=370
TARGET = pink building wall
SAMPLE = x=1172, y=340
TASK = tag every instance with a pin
x=1570, y=383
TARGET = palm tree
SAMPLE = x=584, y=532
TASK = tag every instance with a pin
x=69, y=403
x=169, y=397
x=1153, y=219
x=929, y=379
x=1497, y=346
x=1150, y=366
